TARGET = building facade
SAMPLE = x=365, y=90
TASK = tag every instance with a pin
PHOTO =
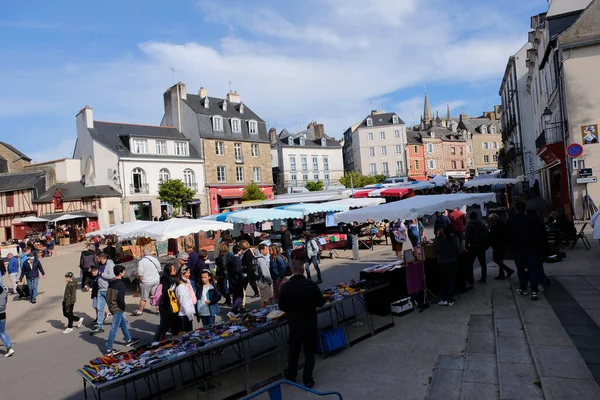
x=135, y=159
x=377, y=145
x=455, y=156
x=416, y=155
x=11, y=159
x=18, y=191
x=232, y=139
x=484, y=143
x=306, y=156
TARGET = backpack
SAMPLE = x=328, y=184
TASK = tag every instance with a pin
x=173, y=301
x=157, y=296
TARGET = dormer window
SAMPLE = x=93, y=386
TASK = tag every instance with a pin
x=206, y=102
x=492, y=129
x=369, y=122
x=323, y=142
x=236, y=125
x=181, y=149
x=217, y=123
x=224, y=105
x=395, y=119
x=253, y=127
x=483, y=129
x=291, y=141
x=241, y=108
x=139, y=146
x=302, y=141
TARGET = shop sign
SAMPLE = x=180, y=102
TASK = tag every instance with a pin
x=589, y=179
x=583, y=172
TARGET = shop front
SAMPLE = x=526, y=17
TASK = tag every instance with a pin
x=554, y=177
x=225, y=197
x=142, y=210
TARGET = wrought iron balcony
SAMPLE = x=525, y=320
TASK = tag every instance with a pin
x=143, y=188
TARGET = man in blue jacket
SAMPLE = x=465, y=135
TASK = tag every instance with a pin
x=13, y=271
x=31, y=270
x=24, y=255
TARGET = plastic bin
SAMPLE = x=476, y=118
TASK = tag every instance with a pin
x=331, y=340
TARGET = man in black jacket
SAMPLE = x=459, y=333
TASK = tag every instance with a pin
x=498, y=242
x=287, y=244
x=299, y=299
x=476, y=237
x=115, y=299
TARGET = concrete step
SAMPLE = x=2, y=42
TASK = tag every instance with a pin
x=517, y=375
x=480, y=378
x=446, y=381
x=562, y=371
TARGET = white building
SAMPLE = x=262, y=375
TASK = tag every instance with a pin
x=377, y=145
x=306, y=156
x=135, y=159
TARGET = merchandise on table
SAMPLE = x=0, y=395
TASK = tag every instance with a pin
x=380, y=268
x=343, y=290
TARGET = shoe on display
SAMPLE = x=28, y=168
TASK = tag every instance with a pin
x=131, y=342
x=79, y=323
x=68, y=330
x=10, y=352
x=442, y=303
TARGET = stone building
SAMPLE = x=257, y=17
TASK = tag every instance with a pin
x=484, y=143
x=416, y=155
x=17, y=194
x=11, y=159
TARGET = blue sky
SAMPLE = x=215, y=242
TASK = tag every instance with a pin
x=292, y=62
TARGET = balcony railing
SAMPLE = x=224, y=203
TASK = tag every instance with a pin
x=549, y=136
x=139, y=189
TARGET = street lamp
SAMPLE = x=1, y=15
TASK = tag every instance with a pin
x=547, y=115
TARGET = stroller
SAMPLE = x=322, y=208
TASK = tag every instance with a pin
x=23, y=291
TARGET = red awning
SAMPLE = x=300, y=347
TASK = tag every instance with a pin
x=395, y=192
x=362, y=194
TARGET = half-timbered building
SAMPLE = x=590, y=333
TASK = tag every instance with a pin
x=18, y=193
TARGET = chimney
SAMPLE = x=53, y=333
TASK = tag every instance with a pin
x=86, y=116
x=233, y=97
x=375, y=112
x=273, y=135
x=319, y=130
x=463, y=116
x=172, y=105
x=202, y=92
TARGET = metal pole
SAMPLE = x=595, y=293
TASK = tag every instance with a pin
x=352, y=184
x=355, y=252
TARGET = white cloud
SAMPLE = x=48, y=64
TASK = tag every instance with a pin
x=48, y=151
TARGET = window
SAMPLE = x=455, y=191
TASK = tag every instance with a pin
x=224, y=105
x=253, y=127
x=369, y=122
x=397, y=134
x=483, y=129
x=327, y=179
x=370, y=136
x=163, y=175
x=494, y=145
x=237, y=147
x=395, y=120
x=189, y=178
x=429, y=147
x=326, y=163
x=383, y=151
x=315, y=160
x=239, y=174
x=221, y=176
x=241, y=108
x=462, y=151
x=399, y=166
x=453, y=164
x=485, y=145
x=417, y=164
x=431, y=164
x=415, y=149
x=161, y=147
x=486, y=159
x=181, y=149
x=304, y=163
x=217, y=123
x=371, y=151
x=294, y=178
x=236, y=125
x=453, y=151
x=58, y=202
x=382, y=135
x=138, y=177
x=140, y=146
x=398, y=149
x=385, y=169
x=220, y=148
x=373, y=169
x=492, y=129
x=291, y=141
x=323, y=142
x=471, y=161
x=495, y=157
x=302, y=141
x=206, y=102
x=316, y=177
x=470, y=150
x=462, y=165
x=10, y=199
x=292, y=163
x=255, y=152
x=305, y=177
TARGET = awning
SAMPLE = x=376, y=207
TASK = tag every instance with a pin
x=395, y=192
x=357, y=203
x=174, y=228
x=28, y=219
x=308, y=209
x=121, y=229
x=491, y=181
x=254, y=215
x=221, y=217
x=65, y=216
x=362, y=194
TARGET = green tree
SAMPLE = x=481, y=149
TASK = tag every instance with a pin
x=174, y=192
x=314, y=186
x=380, y=178
x=253, y=192
x=359, y=180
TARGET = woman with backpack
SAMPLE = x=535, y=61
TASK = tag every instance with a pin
x=278, y=268
x=221, y=271
x=249, y=265
x=169, y=320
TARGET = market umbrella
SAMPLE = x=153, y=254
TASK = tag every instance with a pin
x=174, y=228
x=414, y=207
x=218, y=217
x=318, y=208
x=66, y=217
x=491, y=181
x=362, y=193
x=29, y=219
x=254, y=215
x=121, y=229
x=357, y=203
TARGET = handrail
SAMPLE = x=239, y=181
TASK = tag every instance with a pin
x=274, y=390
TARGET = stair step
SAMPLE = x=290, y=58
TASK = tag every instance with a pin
x=480, y=378
x=447, y=378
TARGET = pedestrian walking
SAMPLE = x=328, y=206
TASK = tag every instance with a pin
x=398, y=236
x=86, y=261
x=249, y=264
x=497, y=239
x=415, y=231
x=447, y=252
x=299, y=299
x=539, y=251
x=287, y=244
x=148, y=275
x=221, y=272
x=31, y=270
x=278, y=270
x=13, y=272
x=459, y=225
x=186, y=302
x=265, y=282
x=115, y=297
x=208, y=302
x=311, y=250
x=106, y=273
x=236, y=281
x=441, y=220
x=3, y=336
x=94, y=290
x=169, y=319
x=68, y=304
x=193, y=264
x=476, y=238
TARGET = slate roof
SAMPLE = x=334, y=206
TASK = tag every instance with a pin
x=22, y=181
x=473, y=124
x=77, y=191
x=556, y=26
x=14, y=150
x=310, y=141
x=380, y=120
x=413, y=137
x=444, y=133
x=115, y=136
x=215, y=107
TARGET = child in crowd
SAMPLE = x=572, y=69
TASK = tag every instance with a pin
x=68, y=303
x=208, y=300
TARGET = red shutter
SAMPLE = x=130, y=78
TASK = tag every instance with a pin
x=10, y=199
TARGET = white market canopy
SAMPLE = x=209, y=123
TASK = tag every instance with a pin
x=29, y=219
x=295, y=198
x=254, y=215
x=121, y=229
x=174, y=228
x=491, y=181
x=318, y=208
x=67, y=217
x=357, y=202
x=414, y=207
